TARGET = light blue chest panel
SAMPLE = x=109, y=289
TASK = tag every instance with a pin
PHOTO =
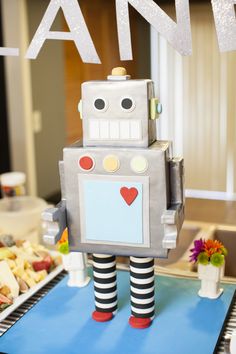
x=112, y=211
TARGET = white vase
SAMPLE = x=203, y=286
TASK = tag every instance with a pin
x=210, y=280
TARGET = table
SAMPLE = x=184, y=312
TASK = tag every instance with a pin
x=61, y=322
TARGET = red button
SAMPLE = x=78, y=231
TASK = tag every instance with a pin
x=86, y=163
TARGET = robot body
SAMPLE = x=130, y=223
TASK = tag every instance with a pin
x=122, y=192
x=101, y=219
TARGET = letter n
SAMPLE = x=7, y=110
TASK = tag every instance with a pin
x=178, y=34
x=225, y=21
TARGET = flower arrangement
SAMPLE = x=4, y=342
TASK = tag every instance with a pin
x=208, y=252
x=63, y=243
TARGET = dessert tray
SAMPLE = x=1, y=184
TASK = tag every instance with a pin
x=23, y=297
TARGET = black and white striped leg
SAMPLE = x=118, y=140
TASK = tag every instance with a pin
x=105, y=288
x=142, y=284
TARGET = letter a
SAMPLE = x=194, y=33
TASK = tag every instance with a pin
x=225, y=22
x=178, y=34
x=78, y=31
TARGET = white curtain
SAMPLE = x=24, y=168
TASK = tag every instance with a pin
x=198, y=94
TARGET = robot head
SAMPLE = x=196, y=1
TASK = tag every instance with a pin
x=119, y=112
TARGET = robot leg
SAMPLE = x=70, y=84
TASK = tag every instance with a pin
x=105, y=288
x=142, y=281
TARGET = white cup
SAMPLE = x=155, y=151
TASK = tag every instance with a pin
x=25, y=220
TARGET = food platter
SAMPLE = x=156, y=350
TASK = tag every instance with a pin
x=23, y=297
x=25, y=268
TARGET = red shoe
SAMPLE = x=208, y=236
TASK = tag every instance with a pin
x=102, y=316
x=138, y=322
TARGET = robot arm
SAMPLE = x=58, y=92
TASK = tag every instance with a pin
x=54, y=220
x=173, y=217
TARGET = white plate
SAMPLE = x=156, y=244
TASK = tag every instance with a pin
x=22, y=298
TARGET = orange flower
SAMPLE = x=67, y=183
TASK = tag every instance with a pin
x=213, y=246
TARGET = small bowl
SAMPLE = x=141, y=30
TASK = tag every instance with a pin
x=21, y=215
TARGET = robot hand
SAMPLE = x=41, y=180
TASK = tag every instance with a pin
x=173, y=218
x=171, y=229
x=54, y=223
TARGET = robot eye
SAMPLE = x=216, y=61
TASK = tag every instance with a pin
x=100, y=104
x=127, y=104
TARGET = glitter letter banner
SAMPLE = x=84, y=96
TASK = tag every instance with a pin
x=78, y=31
x=178, y=34
x=225, y=22
x=11, y=52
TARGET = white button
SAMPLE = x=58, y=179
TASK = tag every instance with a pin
x=139, y=164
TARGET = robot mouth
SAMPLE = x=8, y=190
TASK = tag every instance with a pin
x=115, y=129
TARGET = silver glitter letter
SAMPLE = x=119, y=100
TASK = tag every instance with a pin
x=178, y=34
x=78, y=31
x=13, y=52
x=225, y=21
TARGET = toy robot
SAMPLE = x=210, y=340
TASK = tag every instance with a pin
x=122, y=192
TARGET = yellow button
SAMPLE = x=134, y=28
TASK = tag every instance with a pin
x=111, y=163
x=139, y=164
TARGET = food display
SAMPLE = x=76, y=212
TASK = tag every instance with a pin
x=22, y=266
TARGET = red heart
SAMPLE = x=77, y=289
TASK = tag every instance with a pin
x=129, y=194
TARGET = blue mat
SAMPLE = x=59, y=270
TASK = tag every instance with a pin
x=61, y=322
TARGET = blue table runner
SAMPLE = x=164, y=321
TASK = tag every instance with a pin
x=61, y=322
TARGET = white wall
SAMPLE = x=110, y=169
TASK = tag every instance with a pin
x=47, y=73
x=34, y=86
x=19, y=98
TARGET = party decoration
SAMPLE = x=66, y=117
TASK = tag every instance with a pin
x=9, y=52
x=210, y=257
x=178, y=34
x=78, y=31
x=129, y=194
x=124, y=197
x=225, y=22
x=208, y=252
